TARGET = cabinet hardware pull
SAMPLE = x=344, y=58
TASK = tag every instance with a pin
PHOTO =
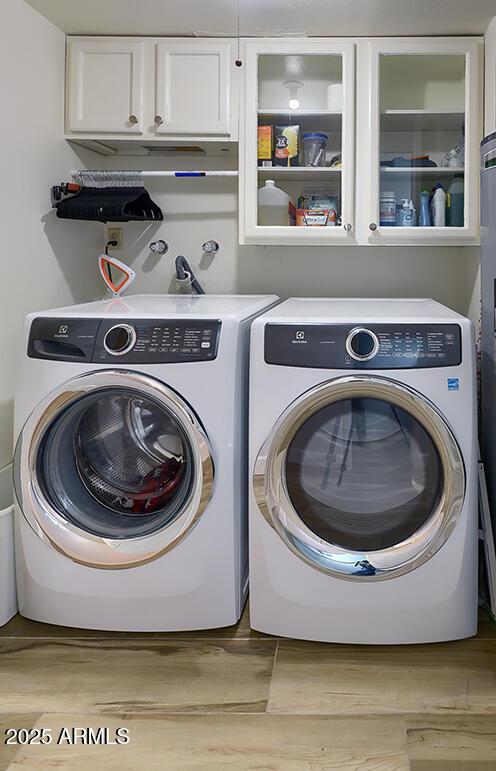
x=372, y=226
x=133, y=119
x=158, y=120
x=348, y=227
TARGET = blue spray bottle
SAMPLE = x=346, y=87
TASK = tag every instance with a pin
x=424, y=214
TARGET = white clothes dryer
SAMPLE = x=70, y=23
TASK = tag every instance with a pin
x=129, y=471
x=363, y=503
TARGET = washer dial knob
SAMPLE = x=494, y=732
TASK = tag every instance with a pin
x=120, y=339
x=362, y=344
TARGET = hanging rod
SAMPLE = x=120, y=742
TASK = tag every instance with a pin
x=82, y=175
x=190, y=173
x=133, y=178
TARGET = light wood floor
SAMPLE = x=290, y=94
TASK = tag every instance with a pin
x=236, y=699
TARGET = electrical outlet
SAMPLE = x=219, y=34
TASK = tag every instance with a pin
x=115, y=234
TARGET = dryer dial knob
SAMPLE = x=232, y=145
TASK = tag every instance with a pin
x=119, y=339
x=362, y=344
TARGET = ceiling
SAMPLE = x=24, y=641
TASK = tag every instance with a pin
x=265, y=18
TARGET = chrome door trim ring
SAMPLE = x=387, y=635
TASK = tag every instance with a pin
x=274, y=503
x=74, y=542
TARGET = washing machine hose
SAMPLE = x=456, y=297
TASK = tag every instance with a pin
x=185, y=274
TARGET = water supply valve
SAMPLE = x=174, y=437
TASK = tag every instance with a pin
x=159, y=247
x=210, y=247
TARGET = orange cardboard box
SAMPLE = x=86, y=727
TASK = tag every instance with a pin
x=264, y=143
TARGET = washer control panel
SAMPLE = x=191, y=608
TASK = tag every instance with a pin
x=371, y=346
x=124, y=341
x=145, y=341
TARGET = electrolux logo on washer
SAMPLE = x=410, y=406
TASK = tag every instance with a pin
x=63, y=331
x=299, y=338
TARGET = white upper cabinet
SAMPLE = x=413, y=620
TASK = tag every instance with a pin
x=298, y=133
x=105, y=85
x=193, y=94
x=155, y=88
x=341, y=159
x=419, y=124
x=418, y=128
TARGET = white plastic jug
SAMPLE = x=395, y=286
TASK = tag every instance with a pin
x=274, y=205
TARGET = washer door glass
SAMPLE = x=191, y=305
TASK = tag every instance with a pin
x=363, y=474
x=116, y=463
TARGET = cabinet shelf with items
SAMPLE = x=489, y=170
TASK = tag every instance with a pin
x=298, y=131
x=419, y=104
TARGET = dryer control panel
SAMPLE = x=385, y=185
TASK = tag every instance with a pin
x=124, y=341
x=363, y=346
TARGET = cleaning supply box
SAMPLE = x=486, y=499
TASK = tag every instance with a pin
x=317, y=208
x=287, y=145
x=265, y=145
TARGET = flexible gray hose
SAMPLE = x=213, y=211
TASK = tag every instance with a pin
x=182, y=268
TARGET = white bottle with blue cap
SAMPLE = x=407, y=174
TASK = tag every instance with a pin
x=438, y=206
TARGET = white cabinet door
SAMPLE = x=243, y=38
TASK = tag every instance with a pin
x=303, y=91
x=104, y=85
x=419, y=126
x=193, y=87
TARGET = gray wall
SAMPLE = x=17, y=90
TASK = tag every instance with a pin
x=199, y=209
x=44, y=263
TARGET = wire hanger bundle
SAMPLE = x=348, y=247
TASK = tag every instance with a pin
x=106, y=196
x=105, y=179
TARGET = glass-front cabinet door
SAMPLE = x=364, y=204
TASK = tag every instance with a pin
x=297, y=164
x=418, y=133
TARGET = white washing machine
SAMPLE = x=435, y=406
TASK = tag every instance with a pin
x=131, y=424
x=363, y=507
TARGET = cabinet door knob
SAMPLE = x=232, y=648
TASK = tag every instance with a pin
x=372, y=226
x=348, y=227
x=133, y=119
x=158, y=120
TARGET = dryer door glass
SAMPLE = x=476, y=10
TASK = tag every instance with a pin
x=116, y=463
x=363, y=474
x=361, y=477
